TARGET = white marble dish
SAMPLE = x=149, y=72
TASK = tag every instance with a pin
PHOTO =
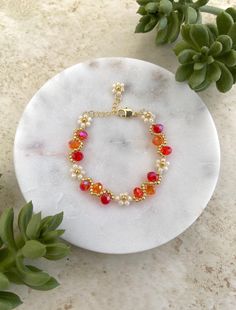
x=119, y=153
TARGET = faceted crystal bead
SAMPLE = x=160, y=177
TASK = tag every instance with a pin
x=166, y=150
x=158, y=140
x=85, y=185
x=77, y=155
x=74, y=144
x=105, y=198
x=138, y=193
x=152, y=176
x=97, y=188
x=81, y=134
x=157, y=128
x=150, y=189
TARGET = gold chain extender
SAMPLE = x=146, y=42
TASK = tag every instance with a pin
x=118, y=89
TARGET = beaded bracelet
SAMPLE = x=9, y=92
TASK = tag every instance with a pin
x=153, y=178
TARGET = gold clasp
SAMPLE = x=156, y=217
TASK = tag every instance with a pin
x=125, y=112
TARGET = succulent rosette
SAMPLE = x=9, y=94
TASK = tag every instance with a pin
x=207, y=53
x=167, y=16
x=36, y=238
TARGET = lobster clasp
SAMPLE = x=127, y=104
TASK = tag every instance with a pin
x=125, y=112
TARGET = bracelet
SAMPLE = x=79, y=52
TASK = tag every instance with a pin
x=80, y=136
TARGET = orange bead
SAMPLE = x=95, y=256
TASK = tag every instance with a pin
x=158, y=140
x=150, y=189
x=74, y=144
x=97, y=188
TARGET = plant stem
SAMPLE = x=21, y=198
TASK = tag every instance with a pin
x=211, y=9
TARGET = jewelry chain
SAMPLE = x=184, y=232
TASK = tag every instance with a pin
x=118, y=89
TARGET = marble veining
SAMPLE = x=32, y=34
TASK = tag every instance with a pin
x=118, y=153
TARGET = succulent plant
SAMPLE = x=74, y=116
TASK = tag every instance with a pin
x=207, y=53
x=35, y=238
x=168, y=16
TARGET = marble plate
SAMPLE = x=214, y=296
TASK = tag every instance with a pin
x=119, y=153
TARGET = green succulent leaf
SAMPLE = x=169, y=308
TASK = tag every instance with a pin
x=33, y=228
x=24, y=218
x=9, y=301
x=226, y=80
x=186, y=56
x=226, y=42
x=199, y=35
x=35, y=278
x=232, y=35
x=141, y=10
x=198, y=65
x=213, y=29
x=151, y=7
x=6, y=259
x=224, y=22
x=152, y=23
x=229, y=59
x=55, y=221
x=52, y=235
x=174, y=22
x=6, y=228
x=49, y=285
x=232, y=11
x=50, y=223
x=29, y=277
x=185, y=32
x=216, y=48
x=19, y=240
x=165, y=6
x=210, y=60
x=191, y=15
x=203, y=86
x=180, y=46
x=144, y=20
x=33, y=249
x=197, y=78
x=161, y=36
x=162, y=22
x=14, y=276
x=213, y=72
x=183, y=73
x=4, y=282
x=212, y=36
x=56, y=251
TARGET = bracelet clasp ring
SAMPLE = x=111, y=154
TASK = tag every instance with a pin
x=125, y=112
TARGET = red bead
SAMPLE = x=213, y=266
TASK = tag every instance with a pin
x=77, y=155
x=85, y=185
x=105, y=198
x=157, y=128
x=152, y=176
x=138, y=192
x=82, y=134
x=166, y=150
